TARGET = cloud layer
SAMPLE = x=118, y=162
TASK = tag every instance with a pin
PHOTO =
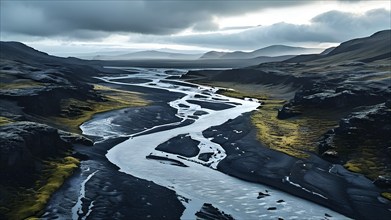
x=159, y=22
x=47, y=18
x=331, y=27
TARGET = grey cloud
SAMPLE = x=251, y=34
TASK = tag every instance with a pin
x=156, y=22
x=48, y=18
x=332, y=27
x=205, y=26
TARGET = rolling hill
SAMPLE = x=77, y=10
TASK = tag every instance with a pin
x=270, y=51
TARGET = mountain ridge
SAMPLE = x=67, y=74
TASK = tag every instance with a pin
x=269, y=51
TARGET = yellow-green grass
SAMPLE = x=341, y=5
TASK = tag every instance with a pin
x=21, y=84
x=29, y=203
x=386, y=195
x=364, y=159
x=114, y=99
x=298, y=135
x=5, y=121
x=241, y=95
x=295, y=136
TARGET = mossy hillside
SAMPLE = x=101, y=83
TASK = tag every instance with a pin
x=295, y=136
x=75, y=111
x=29, y=202
x=21, y=84
x=299, y=135
x=363, y=156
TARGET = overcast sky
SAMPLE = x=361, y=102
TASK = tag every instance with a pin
x=66, y=27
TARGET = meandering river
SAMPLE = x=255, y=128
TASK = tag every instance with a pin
x=100, y=191
x=196, y=182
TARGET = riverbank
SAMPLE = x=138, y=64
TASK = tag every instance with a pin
x=172, y=152
x=304, y=174
x=22, y=198
x=42, y=99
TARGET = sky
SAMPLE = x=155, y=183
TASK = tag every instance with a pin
x=72, y=27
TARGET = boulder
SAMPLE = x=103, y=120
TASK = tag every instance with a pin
x=383, y=181
x=287, y=111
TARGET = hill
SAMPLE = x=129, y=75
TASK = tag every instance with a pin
x=270, y=51
x=367, y=49
x=149, y=54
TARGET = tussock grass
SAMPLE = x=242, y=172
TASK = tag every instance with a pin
x=29, y=203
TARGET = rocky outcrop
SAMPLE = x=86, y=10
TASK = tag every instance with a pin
x=373, y=122
x=365, y=132
x=40, y=90
x=75, y=138
x=331, y=95
x=24, y=144
x=287, y=111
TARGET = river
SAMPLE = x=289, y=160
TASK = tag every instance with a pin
x=197, y=109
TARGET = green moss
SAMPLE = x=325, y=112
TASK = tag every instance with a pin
x=31, y=202
x=241, y=95
x=353, y=166
x=386, y=195
x=114, y=99
x=367, y=164
x=21, y=84
x=294, y=136
x=4, y=121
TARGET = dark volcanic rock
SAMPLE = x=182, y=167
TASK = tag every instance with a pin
x=287, y=111
x=262, y=195
x=22, y=143
x=372, y=124
x=383, y=181
x=211, y=105
x=75, y=138
x=331, y=95
x=205, y=156
x=166, y=160
x=183, y=145
x=208, y=212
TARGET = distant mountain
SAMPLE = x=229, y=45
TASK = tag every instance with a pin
x=367, y=49
x=281, y=50
x=213, y=55
x=270, y=51
x=149, y=54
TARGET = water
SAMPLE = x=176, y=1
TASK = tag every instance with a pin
x=198, y=183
